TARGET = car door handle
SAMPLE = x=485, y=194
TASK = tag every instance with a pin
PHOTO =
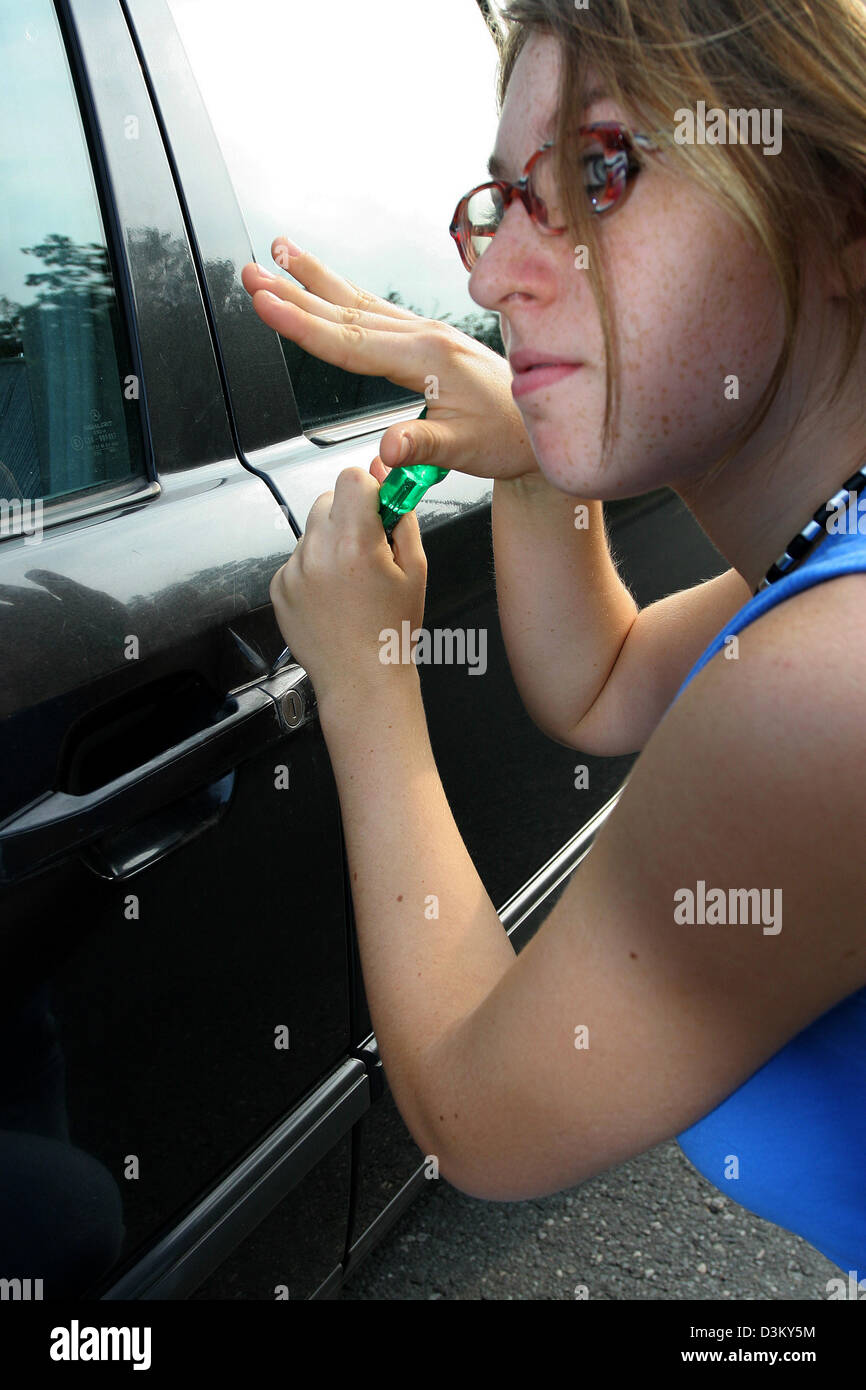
x=60, y=823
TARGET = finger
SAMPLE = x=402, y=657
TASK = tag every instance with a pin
x=408, y=547
x=403, y=359
x=257, y=277
x=428, y=443
x=326, y=283
x=319, y=513
x=254, y=278
x=355, y=507
x=379, y=470
x=308, y=545
x=278, y=586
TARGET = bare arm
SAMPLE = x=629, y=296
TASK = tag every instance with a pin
x=594, y=671
x=663, y=645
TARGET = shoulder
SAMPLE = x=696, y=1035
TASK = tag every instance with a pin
x=796, y=670
x=757, y=771
x=774, y=721
x=827, y=606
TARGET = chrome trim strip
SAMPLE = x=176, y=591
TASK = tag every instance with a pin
x=365, y=424
x=558, y=867
x=180, y=1262
x=383, y=1222
x=330, y=1287
x=78, y=509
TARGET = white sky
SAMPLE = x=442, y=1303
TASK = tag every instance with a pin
x=354, y=128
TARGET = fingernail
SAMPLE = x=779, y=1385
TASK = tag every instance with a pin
x=291, y=248
x=405, y=447
x=265, y=274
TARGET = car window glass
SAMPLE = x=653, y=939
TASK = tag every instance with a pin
x=354, y=130
x=69, y=420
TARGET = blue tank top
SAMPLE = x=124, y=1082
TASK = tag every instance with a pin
x=797, y=1127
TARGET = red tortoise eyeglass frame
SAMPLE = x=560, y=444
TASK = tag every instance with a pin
x=618, y=154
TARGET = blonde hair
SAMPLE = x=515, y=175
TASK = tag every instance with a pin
x=655, y=57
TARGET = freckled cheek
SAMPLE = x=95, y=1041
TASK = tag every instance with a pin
x=743, y=303
x=685, y=329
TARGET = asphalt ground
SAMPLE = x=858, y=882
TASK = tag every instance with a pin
x=652, y=1228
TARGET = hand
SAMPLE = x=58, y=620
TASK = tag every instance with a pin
x=474, y=426
x=343, y=585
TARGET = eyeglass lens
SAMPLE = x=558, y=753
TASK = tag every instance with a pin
x=604, y=177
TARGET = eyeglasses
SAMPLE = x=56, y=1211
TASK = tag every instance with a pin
x=609, y=160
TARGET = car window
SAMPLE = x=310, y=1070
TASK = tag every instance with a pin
x=354, y=130
x=69, y=398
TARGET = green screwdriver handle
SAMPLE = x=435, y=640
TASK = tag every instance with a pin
x=401, y=492
x=403, y=489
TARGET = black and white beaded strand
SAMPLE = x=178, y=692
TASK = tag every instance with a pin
x=805, y=541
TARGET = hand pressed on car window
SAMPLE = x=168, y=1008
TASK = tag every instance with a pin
x=473, y=426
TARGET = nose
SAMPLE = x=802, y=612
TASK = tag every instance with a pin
x=504, y=252
x=519, y=259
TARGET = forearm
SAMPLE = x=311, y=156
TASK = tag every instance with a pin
x=565, y=613
x=432, y=946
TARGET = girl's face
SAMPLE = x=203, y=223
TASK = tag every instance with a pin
x=694, y=303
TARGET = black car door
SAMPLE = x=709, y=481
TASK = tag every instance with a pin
x=174, y=951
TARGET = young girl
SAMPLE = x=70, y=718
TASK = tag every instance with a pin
x=687, y=255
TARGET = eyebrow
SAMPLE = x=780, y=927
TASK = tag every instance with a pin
x=498, y=168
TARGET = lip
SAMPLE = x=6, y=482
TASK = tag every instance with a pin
x=534, y=378
x=525, y=358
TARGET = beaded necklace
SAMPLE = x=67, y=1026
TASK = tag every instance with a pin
x=804, y=542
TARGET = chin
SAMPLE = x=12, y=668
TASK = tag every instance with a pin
x=575, y=470
x=571, y=462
